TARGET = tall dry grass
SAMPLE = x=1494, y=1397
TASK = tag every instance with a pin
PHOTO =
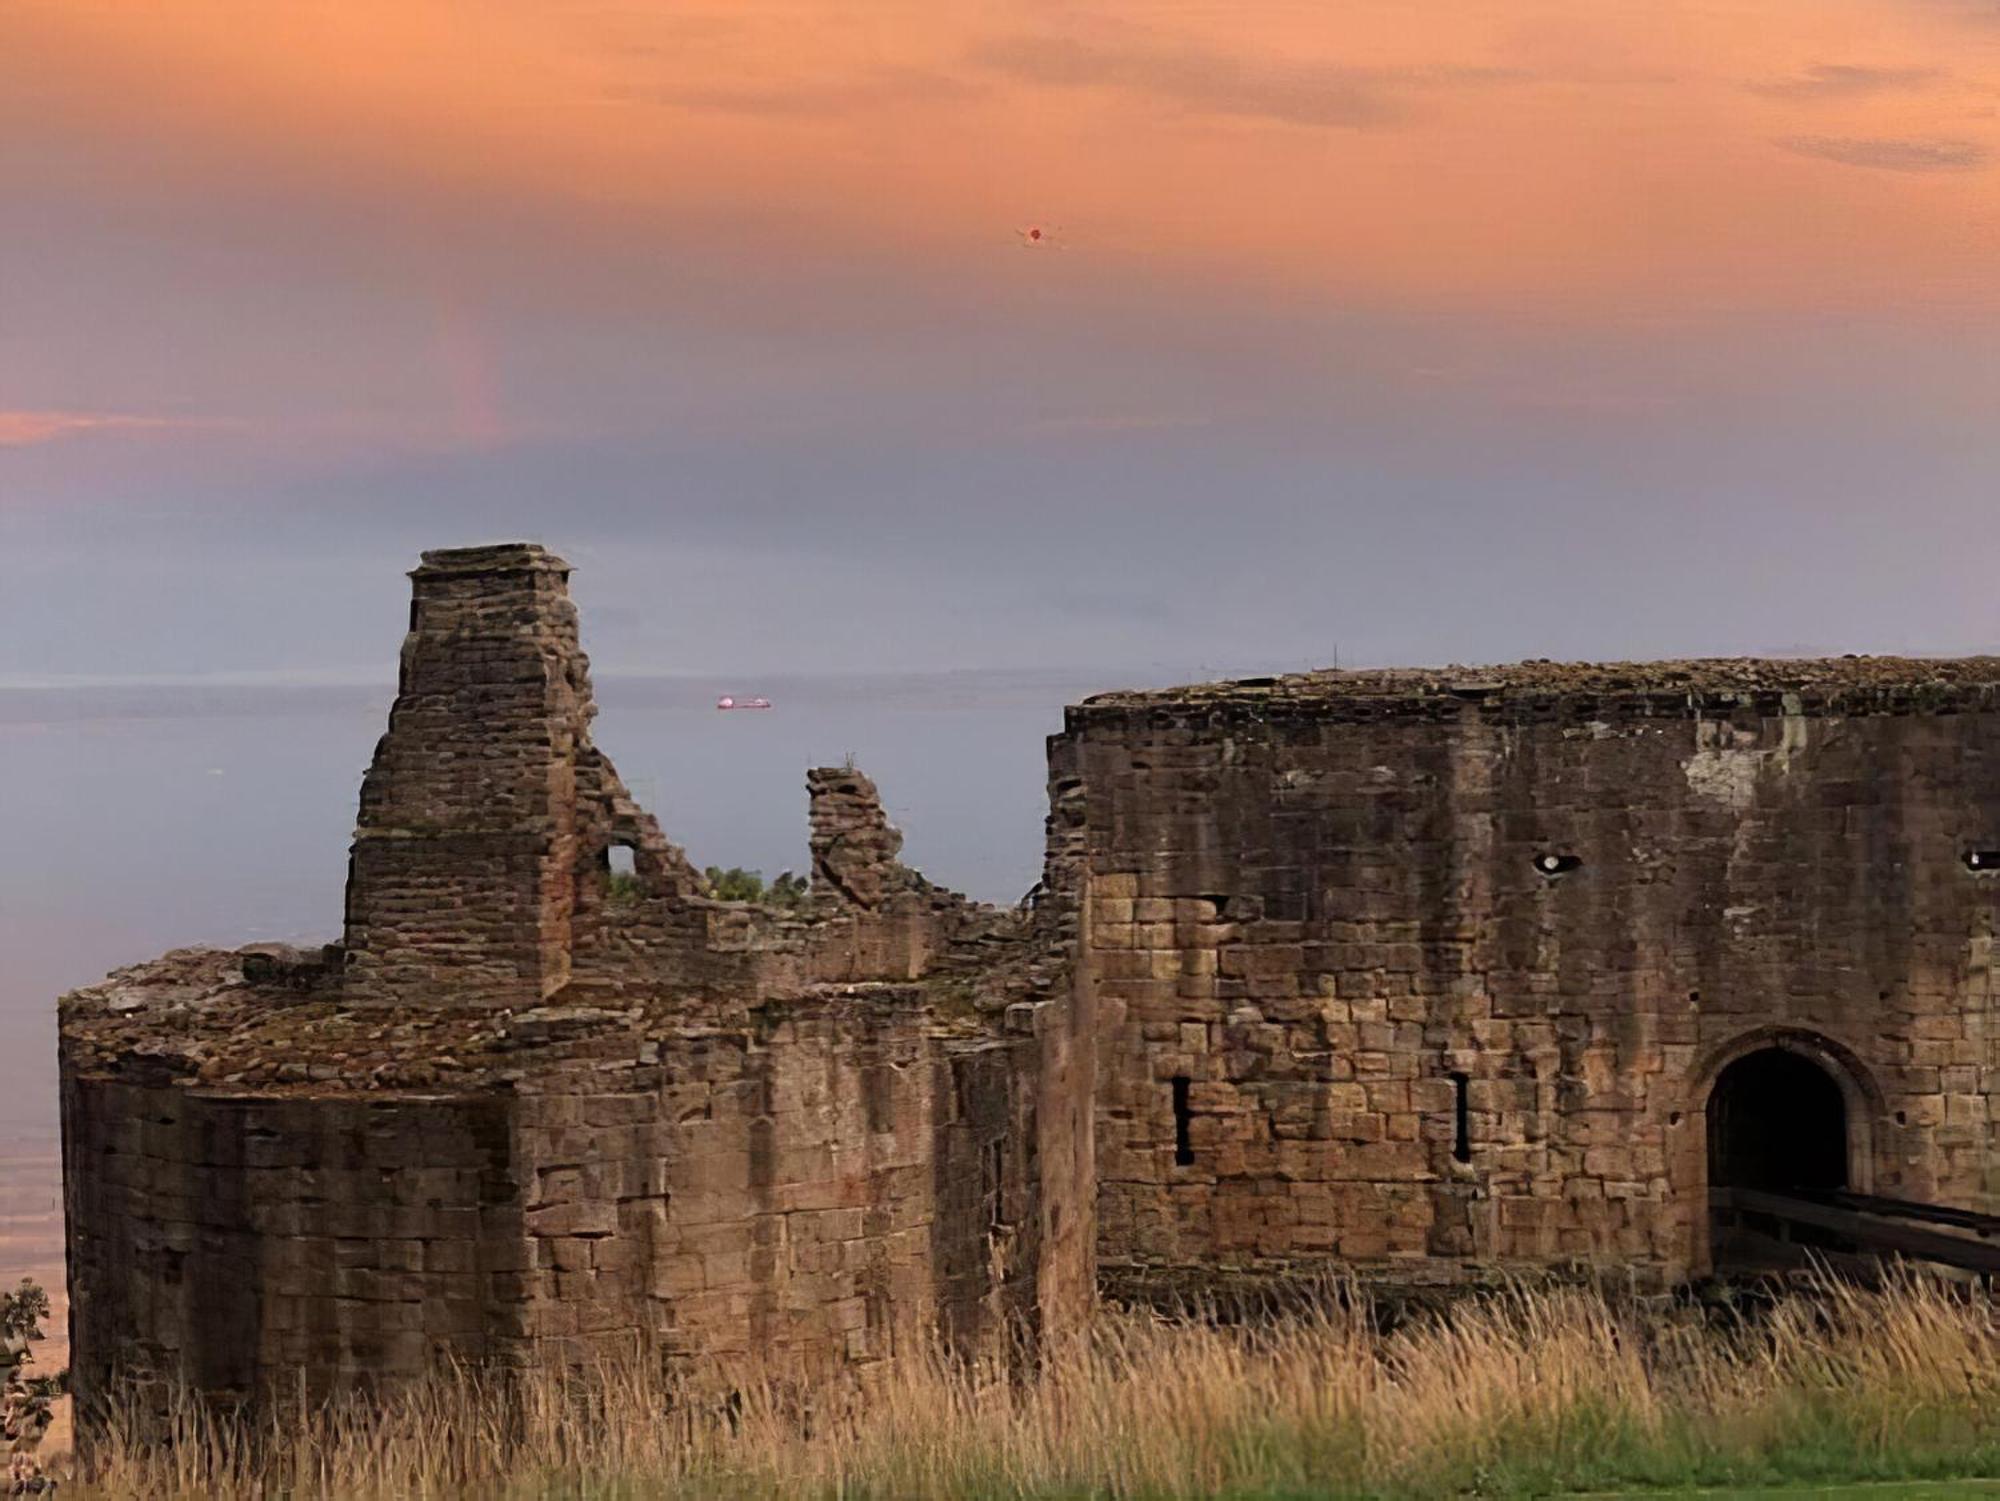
x=1530, y=1391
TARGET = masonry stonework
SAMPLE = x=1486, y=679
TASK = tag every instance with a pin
x=527, y=1114
x=1416, y=973
x=1438, y=970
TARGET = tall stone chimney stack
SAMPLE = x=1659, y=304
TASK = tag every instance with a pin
x=461, y=883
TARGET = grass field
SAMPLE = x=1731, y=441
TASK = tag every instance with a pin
x=1533, y=1391
x=1883, y=1490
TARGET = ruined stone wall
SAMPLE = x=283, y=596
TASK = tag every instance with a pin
x=336, y=1241
x=1312, y=902
x=854, y=846
x=530, y=1114
x=480, y=865
x=877, y=918
x=828, y=1184
x=868, y=918
x=480, y=871
x=460, y=877
x=833, y=1185
x=873, y=917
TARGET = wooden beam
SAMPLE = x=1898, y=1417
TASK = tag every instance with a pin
x=1867, y=1230
x=1910, y=1209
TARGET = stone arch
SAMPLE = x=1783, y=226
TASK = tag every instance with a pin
x=1861, y=1098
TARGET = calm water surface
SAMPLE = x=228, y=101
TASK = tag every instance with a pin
x=149, y=818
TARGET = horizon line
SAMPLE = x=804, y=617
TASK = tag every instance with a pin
x=740, y=680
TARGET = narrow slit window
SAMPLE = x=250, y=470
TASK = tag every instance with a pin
x=1461, y=1119
x=1183, y=1123
x=995, y=1178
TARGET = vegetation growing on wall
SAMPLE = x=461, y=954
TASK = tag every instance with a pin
x=736, y=884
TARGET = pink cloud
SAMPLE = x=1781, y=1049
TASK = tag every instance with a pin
x=23, y=429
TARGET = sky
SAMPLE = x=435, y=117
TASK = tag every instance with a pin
x=1371, y=332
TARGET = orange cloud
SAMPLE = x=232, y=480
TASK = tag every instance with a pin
x=21, y=429
x=1892, y=155
x=1847, y=81
x=1548, y=154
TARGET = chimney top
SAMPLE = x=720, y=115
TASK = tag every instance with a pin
x=498, y=557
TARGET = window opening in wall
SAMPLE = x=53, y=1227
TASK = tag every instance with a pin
x=1553, y=864
x=1461, y=1119
x=1986, y=862
x=621, y=873
x=1183, y=1123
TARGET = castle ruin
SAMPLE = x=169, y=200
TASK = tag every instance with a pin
x=526, y=1113
x=1415, y=973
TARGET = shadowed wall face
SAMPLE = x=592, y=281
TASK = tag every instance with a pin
x=843, y=1191
x=1441, y=975
x=228, y=1240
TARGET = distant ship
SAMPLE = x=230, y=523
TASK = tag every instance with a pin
x=726, y=702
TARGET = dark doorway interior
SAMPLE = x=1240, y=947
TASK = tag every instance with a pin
x=1777, y=1122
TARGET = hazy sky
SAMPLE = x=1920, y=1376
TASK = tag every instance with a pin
x=1462, y=329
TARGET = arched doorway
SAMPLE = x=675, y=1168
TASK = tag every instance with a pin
x=1777, y=1123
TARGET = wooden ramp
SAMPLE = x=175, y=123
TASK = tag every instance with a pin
x=1839, y=1220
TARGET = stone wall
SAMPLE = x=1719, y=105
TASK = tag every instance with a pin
x=465, y=846
x=834, y=1185
x=233, y=1238
x=481, y=870
x=1412, y=971
x=529, y=1114
x=826, y=1183
x=1313, y=902
x=854, y=846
